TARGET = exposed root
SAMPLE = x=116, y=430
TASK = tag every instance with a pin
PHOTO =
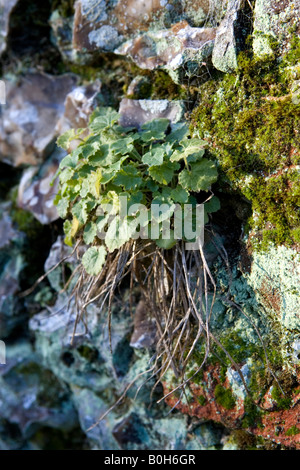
x=180, y=292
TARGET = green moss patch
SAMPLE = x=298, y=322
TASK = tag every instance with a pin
x=224, y=397
x=252, y=121
x=293, y=431
x=283, y=402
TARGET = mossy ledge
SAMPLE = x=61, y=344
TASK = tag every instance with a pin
x=252, y=121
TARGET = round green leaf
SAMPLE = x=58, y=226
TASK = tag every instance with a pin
x=200, y=177
x=94, y=259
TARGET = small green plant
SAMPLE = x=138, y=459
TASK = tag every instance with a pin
x=158, y=166
x=151, y=167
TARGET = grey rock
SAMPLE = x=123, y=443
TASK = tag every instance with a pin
x=62, y=33
x=225, y=50
x=144, y=333
x=12, y=263
x=79, y=105
x=7, y=230
x=6, y=7
x=36, y=194
x=90, y=408
x=171, y=49
x=28, y=124
x=137, y=112
x=274, y=19
x=100, y=26
x=79, y=360
x=58, y=252
x=30, y=395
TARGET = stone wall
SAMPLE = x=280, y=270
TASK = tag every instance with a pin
x=228, y=67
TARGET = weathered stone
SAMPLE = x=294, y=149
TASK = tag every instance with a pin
x=171, y=49
x=79, y=105
x=275, y=277
x=36, y=193
x=7, y=230
x=59, y=251
x=62, y=32
x=274, y=20
x=80, y=364
x=144, y=334
x=6, y=7
x=100, y=26
x=137, y=112
x=90, y=408
x=34, y=106
x=225, y=50
x=11, y=265
x=30, y=395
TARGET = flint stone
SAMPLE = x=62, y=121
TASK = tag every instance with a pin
x=136, y=112
x=170, y=49
x=59, y=251
x=225, y=50
x=274, y=19
x=7, y=230
x=6, y=7
x=28, y=124
x=11, y=265
x=144, y=333
x=79, y=105
x=36, y=194
x=102, y=26
x=30, y=395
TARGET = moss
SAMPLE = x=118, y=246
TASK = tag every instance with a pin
x=89, y=353
x=164, y=87
x=244, y=440
x=292, y=431
x=23, y=219
x=224, y=397
x=160, y=85
x=283, y=402
x=238, y=348
x=253, y=416
x=252, y=124
x=202, y=400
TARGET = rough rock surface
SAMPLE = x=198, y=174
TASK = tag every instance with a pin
x=34, y=106
x=55, y=385
x=101, y=26
x=274, y=20
x=137, y=112
x=6, y=6
x=37, y=192
x=11, y=265
x=79, y=105
x=225, y=50
x=171, y=49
